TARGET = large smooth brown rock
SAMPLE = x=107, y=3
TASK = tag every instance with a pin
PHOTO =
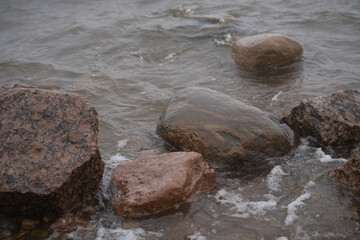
x=221, y=128
x=349, y=173
x=159, y=182
x=334, y=119
x=50, y=161
x=264, y=51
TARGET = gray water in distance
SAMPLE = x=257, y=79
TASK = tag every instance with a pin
x=128, y=57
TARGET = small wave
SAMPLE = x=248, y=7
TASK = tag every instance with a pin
x=181, y=12
x=170, y=57
x=276, y=96
x=274, y=178
x=242, y=207
x=110, y=165
x=122, y=143
x=323, y=157
x=132, y=234
x=99, y=232
x=223, y=39
x=197, y=236
x=293, y=207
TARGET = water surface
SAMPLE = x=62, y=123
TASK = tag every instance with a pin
x=127, y=58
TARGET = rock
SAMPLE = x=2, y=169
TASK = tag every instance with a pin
x=159, y=182
x=334, y=119
x=264, y=51
x=8, y=227
x=50, y=161
x=221, y=128
x=28, y=224
x=68, y=223
x=348, y=174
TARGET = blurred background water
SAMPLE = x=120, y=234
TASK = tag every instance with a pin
x=127, y=58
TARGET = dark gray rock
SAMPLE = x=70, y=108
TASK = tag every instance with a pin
x=221, y=128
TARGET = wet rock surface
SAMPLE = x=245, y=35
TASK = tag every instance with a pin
x=264, y=51
x=159, y=182
x=50, y=161
x=28, y=224
x=334, y=119
x=349, y=173
x=221, y=128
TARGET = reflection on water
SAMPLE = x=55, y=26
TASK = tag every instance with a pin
x=127, y=58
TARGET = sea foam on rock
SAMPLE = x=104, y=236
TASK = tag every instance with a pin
x=50, y=161
x=264, y=51
x=334, y=119
x=159, y=182
x=221, y=128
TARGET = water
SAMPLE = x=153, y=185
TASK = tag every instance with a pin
x=128, y=57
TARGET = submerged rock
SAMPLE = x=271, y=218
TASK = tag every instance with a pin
x=159, y=182
x=50, y=161
x=334, y=119
x=221, y=128
x=264, y=51
x=349, y=173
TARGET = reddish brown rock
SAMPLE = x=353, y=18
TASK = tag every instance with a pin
x=349, y=173
x=50, y=161
x=159, y=182
x=334, y=119
x=221, y=128
x=264, y=51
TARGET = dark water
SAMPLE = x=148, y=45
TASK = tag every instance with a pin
x=128, y=57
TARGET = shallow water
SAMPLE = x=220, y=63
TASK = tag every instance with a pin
x=128, y=57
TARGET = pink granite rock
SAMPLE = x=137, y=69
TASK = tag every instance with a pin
x=49, y=158
x=159, y=182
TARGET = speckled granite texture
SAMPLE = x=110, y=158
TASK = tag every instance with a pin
x=334, y=119
x=49, y=158
x=349, y=173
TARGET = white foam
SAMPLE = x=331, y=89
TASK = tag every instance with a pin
x=276, y=96
x=111, y=164
x=301, y=234
x=293, y=207
x=170, y=56
x=119, y=233
x=323, y=157
x=102, y=233
x=116, y=159
x=197, y=236
x=274, y=178
x=225, y=39
x=282, y=238
x=122, y=143
x=244, y=208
